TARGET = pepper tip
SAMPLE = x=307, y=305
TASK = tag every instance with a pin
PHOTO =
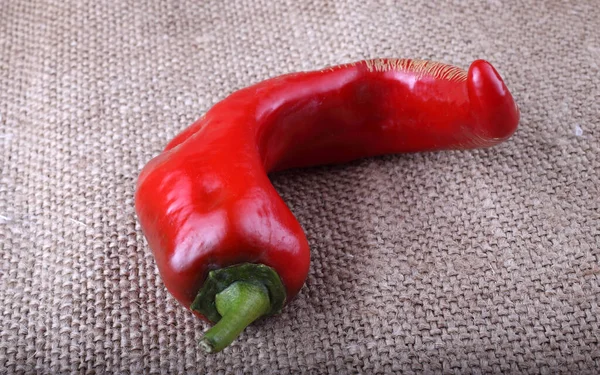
x=493, y=106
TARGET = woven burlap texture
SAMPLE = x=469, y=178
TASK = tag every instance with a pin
x=481, y=261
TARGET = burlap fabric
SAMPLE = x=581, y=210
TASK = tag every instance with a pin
x=453, y=262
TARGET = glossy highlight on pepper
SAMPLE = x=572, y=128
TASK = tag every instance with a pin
x=206, y=203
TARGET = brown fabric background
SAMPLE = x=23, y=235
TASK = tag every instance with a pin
x=457, y=262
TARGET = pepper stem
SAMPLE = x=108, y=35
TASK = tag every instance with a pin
x=239, y=304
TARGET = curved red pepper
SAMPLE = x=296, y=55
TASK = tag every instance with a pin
x=206, y=202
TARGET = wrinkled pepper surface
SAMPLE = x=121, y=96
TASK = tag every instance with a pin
x=226, y=245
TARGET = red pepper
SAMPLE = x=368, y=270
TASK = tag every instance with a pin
x=225, y=243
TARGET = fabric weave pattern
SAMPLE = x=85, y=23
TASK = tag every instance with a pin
x=484, y=261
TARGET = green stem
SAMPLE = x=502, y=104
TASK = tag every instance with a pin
x=220, y=279
x=239, y=305
x=235, y=296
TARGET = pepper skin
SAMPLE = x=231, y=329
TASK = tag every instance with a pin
x=206, y=201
